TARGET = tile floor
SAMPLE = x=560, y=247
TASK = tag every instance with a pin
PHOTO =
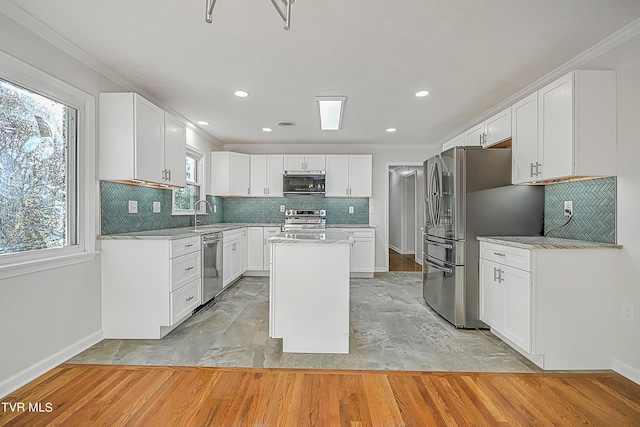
x=391, y=329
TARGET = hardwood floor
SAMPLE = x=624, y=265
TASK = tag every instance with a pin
x=399, y=262
x=101, y=395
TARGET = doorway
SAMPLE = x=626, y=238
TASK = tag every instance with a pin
x=404, y=214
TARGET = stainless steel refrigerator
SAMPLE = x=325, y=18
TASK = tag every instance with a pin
x=469, y=194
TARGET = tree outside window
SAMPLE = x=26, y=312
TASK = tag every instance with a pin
x=184, y=199
x=37, y=171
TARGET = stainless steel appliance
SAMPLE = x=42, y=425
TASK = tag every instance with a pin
x=211, y=266
x=468, y=194
x=305, y=219
x=303, y=182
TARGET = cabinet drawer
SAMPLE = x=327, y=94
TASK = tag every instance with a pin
x=506, y=255
x=185, y=246
x=184, y=300
x=357, y=233
x=185, y=269
x=232, y=234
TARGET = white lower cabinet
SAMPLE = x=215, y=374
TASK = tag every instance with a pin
x=232, y=256
x=362, y=251
x=149, y=286
x=258, y=249
x=555, y=306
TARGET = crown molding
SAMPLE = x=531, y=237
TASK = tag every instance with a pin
x=614, y=40
x=320, y=148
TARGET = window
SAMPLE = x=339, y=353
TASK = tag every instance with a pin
x=47, y=173
x=37, y=171
x=184, y=199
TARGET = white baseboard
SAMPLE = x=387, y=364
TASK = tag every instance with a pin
x=627, y=371
x=395, y=249
x=29, y=374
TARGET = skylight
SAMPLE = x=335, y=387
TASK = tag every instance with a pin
x=330, y=109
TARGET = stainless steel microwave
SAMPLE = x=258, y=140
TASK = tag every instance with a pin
x=303, y=182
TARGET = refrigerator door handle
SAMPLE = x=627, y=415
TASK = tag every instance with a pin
x=439, y=267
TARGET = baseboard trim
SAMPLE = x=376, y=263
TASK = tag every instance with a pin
x=29, y=374
x=627, y=371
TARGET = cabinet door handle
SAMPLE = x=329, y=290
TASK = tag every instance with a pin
x=538, y=167
x=188, y=246
x=188, y=268
x=532, y=174
x=495, y=274
x=499, y=254
x=500, y=273
x=190, y=298
x=168, y=174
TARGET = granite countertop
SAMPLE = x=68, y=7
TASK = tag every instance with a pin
x=312, y=237
x=541, y=242
x=182, y=232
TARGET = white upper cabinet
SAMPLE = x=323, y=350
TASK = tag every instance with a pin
x=497, y=128
x=131, y=138
x=175, y=151
x=310, y=162
x=524, y=146
x=473, y=137
x=230, y=174
x=348, y=175
x=458, y=141
x=576, y=129
x=266, y=175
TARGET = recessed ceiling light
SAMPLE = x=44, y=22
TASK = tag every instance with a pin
x=422, y=93
x=241, y=93
x=391, y=129
x=330, y=109
x=202, y=123
x=267, y=129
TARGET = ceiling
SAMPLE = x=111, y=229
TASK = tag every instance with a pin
x=471, y=55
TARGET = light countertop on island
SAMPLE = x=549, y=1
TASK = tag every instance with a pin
x=542, y=242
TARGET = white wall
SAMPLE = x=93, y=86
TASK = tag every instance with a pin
x=625, y=59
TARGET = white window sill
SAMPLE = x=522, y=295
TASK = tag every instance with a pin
x=20, y=268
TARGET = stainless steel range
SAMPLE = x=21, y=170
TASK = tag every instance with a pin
x=305, y=220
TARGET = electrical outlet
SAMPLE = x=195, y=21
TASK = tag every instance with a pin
x=215, y=208
x=133, y=207
x=372, y=210
x=568, y=208
x=627, y=312
x=350, y=209
x=156, y=207
x=281, y=208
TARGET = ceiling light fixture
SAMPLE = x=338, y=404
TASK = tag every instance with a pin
x=284, y=14
x=330, y=110
x=202, y=123
x=267, y=129
x=241, y=93
x=391, y=129
x=422, y=93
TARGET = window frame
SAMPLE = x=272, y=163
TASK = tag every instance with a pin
x=20, y=263
x=200, y=158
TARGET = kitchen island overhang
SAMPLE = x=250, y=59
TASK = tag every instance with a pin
x=309, y=291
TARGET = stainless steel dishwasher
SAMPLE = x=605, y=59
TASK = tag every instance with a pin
x=211, y=266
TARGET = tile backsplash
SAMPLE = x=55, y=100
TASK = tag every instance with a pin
x=594, y=207
x=267, y=209
x=115, y=217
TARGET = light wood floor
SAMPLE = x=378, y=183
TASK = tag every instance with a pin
x=399, y=262
x=94, y=395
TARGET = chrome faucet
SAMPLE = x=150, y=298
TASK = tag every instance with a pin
x=195, y=212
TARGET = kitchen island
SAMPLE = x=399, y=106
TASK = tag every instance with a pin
x=309, y=291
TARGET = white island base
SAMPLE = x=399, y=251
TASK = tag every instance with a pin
x=309, y=295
